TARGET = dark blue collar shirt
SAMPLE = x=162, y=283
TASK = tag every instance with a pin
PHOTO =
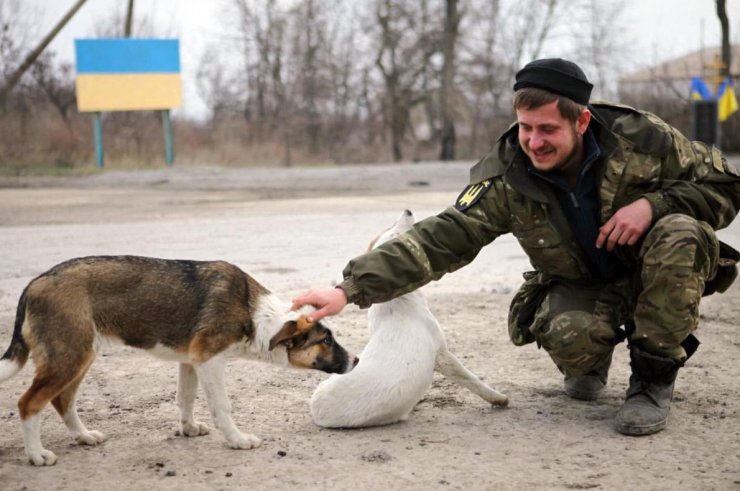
x=581, y=208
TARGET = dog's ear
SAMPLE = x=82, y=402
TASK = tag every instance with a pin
x=304, y=325
x=288, y=331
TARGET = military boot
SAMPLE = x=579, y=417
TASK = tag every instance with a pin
x=645, y=409
x=587, y=387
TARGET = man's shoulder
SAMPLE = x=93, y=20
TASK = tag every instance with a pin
x=647, y=132
x=494, y=163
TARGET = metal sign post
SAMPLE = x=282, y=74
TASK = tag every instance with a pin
x=98, y=137
x=169, y=153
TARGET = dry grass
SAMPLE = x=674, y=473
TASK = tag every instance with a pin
x=37, y=141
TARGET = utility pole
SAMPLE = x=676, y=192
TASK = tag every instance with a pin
x=129, y=18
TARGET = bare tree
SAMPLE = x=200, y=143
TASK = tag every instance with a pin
x=530, y=27
x=447, y=92
x=494, y=44
x=307, y=45
x=602, y=42
x=16, y=29
x=403, y=56
x=479, y=67
x=306, y=75
x=508, y=34
x=323, y=61
x=262, y=31
x=215, y=85
x=116, y=24
x=299, y=74
x=343, y=71
x=56, y=81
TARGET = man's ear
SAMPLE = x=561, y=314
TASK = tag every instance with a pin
x=288, y=331
x=582, y=122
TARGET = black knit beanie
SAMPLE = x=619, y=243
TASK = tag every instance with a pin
x=556, y=75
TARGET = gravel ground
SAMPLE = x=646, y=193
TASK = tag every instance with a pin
x=295, y=229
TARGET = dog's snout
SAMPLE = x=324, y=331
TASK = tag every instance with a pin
x=351, y=363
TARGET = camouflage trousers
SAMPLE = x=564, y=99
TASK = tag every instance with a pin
x=579, y=324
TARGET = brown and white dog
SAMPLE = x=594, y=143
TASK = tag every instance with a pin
x=191, y=312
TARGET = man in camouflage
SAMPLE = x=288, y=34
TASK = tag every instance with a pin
x=616, y=211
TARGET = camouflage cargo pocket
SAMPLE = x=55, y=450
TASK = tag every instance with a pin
x=524, y=305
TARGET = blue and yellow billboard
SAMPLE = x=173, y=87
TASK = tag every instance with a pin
x=128, y=74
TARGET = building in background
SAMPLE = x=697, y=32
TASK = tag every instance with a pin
x=666, y=90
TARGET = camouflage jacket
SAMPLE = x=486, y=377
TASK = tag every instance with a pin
x=642, y=157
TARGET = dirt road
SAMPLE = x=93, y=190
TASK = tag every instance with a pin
x=294, y=229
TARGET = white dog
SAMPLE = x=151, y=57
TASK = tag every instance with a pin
x=396, y=367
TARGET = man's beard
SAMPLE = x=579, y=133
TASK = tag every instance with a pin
x=569, y=162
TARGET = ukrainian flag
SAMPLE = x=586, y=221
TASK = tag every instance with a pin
x=699, y=90
x=726, y=100
x=128, y=74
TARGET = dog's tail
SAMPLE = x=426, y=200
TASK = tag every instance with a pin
x=16, y=355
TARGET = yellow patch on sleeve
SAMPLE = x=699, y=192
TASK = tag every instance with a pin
x=471, y=194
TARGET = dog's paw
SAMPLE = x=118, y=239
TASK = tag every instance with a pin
x=43, y=457
x=500, y=401
x=194, y=429
x=245, y=442
x=90, y=438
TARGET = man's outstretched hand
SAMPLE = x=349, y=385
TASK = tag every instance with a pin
x=329, y=301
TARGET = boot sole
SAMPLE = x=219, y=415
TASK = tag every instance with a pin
x=582, y=396
x=640, y=430
x=588, y=390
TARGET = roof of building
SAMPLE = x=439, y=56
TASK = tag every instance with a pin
x=701, y=62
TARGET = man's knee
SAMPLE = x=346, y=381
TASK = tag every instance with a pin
x=576, y=341
x=681, y=241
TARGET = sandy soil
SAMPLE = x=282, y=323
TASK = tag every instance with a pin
x=294, y=229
